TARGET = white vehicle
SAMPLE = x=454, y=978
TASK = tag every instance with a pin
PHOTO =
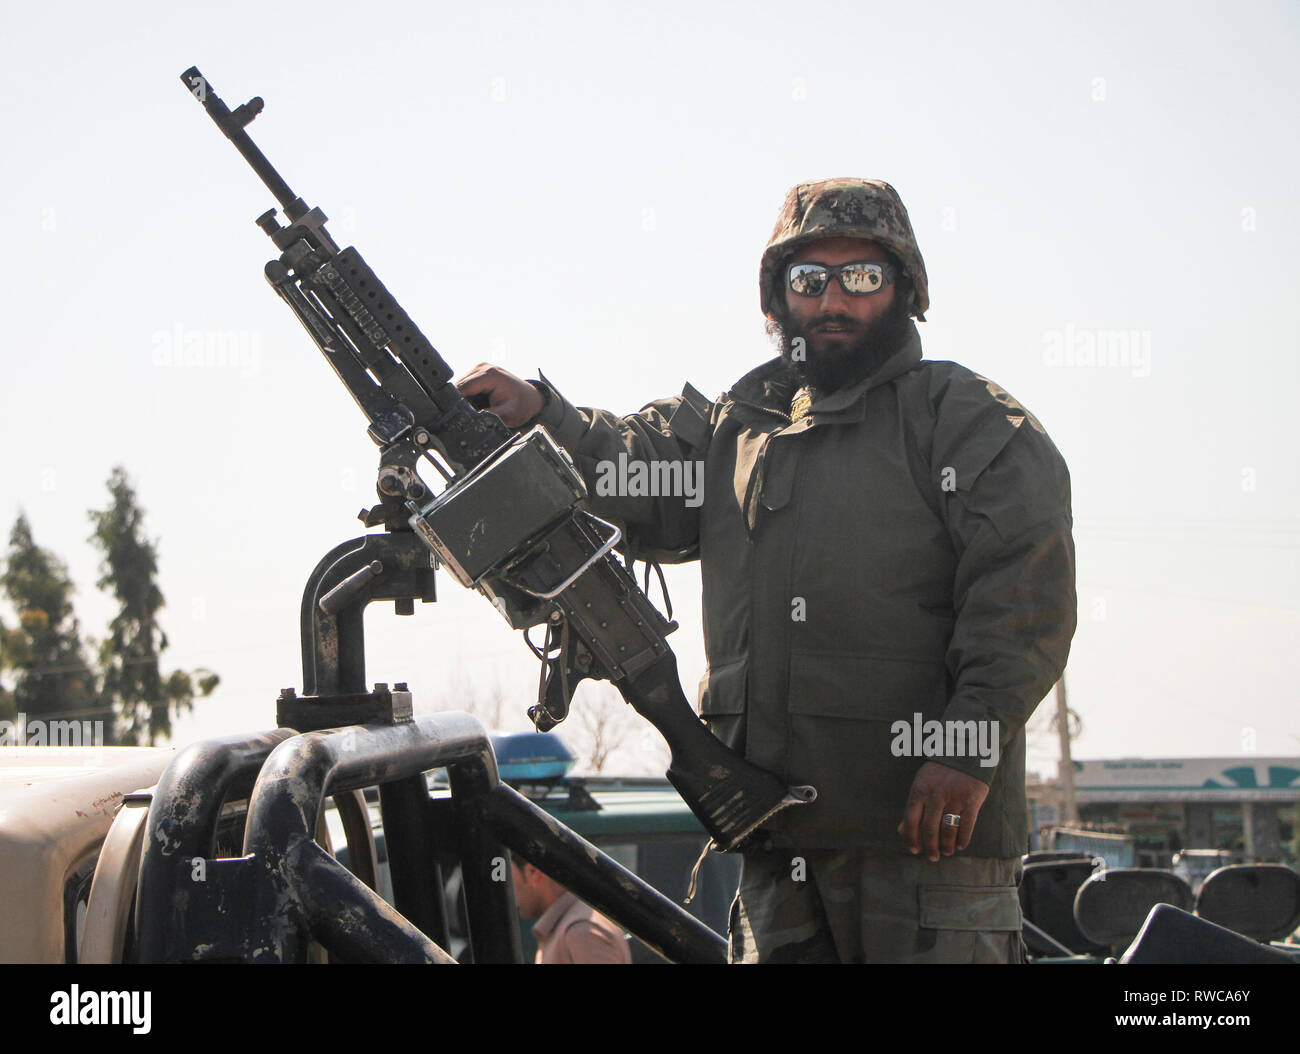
x=1192, y=865
x=57, y=808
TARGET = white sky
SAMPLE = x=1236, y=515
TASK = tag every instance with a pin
x=588, y=190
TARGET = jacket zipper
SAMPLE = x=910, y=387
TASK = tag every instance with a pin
x=764, y=409
x=786, y=623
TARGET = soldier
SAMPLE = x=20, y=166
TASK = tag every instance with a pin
x=888, y=590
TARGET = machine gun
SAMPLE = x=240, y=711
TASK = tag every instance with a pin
x=510, y=521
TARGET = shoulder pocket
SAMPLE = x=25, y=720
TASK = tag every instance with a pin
x=690, y=422
x=968, y=456
x=971, y=426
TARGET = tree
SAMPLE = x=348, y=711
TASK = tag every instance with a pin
x=606, y=720
x=8, y=709
x=44, y=649
x=481, y=696
x=145, y=701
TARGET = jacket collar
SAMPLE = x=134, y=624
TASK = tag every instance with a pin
x=550, y=918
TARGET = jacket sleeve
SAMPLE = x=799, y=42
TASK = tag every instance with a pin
x=1006, y=490
x=644, y=471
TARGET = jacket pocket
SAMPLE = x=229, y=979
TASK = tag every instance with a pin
x=985, y=909
x=842, y=712
x=777, y=470
x=722, y=702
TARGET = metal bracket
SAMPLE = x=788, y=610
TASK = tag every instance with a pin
x=589, y=562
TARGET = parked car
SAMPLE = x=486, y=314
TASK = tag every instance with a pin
x=1192, y=865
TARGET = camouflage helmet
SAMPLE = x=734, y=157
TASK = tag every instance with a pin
x=843, y=208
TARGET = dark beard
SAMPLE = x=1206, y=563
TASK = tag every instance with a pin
x=828, y=369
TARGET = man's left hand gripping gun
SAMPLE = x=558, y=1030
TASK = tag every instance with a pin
x=509, y=522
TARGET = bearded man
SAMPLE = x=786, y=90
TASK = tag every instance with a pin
x=888, y=591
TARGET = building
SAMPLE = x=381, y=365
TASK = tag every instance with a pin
x=1248, y=806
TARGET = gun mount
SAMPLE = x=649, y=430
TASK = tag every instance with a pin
x=510, y=522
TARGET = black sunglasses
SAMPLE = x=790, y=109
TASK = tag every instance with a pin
x=858, y=278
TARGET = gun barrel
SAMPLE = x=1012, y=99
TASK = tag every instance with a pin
x=232, y=125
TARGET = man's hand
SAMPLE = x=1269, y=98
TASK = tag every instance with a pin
x=516, y=402
x=938, y=789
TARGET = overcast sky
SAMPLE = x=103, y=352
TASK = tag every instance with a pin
x=588, y=191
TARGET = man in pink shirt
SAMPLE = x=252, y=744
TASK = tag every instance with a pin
x=567, y=930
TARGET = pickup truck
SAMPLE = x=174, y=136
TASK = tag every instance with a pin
x=72, y=825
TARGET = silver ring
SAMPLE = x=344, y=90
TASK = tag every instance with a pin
x=951, y=819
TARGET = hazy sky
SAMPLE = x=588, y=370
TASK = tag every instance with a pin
x=588, y=190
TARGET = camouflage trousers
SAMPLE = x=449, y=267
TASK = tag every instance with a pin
x=849, y=906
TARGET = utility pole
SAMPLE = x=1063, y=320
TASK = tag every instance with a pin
x=1065, y=769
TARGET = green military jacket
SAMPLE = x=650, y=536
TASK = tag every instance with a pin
x=903, y=553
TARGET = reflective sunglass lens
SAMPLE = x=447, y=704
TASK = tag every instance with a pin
x=861, y=278
x=808, y=279
x=857, y=279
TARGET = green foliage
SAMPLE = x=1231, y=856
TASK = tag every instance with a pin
x=44, y=649
x=42, y=653
x=145, y=700
x=8, y=709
